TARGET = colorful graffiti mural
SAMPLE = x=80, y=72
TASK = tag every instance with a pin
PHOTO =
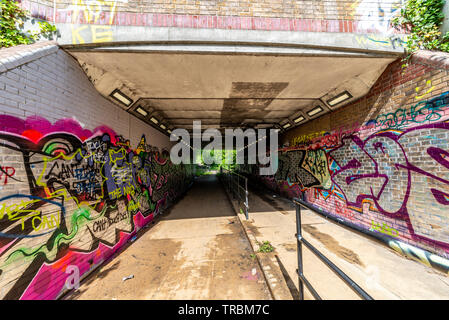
x=394, y=168
x=70, y=196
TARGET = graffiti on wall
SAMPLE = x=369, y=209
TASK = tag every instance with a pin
x=376, y=16
x=388, y=170
x=70, y=196
x=422, y=112
x=396, y=166
x=306, y=138
x=391, y=41
x=308, y=168
x=95, y=20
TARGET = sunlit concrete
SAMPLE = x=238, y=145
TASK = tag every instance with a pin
x=379, y=270
x=119, y=35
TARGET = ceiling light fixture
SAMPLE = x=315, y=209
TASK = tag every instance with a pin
x=339, y=98
x=121, y=97
x=314, y=111
x=154, y=120
x=299, y=119
x=141, y=111
x=285, y=126
x=163, y=127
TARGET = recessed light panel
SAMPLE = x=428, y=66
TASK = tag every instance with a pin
x=299, y=119
x=154, y=120
x=121, y=97
x=285, y=126
x=314, y=111
x=339, y=98
x=142, y=111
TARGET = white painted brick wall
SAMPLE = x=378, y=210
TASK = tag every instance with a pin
x=44, y=80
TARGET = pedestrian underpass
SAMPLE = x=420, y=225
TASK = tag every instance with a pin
x=94, y=207
x=202, y=248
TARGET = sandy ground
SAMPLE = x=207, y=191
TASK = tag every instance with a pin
x=379, y=270
x=197, y=250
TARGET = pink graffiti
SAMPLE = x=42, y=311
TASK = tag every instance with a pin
x=35, y=128
x=380, y=169
x=50, y=280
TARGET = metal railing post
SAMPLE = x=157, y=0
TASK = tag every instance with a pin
x=238, y=189
x=302, y=279
x=246, y=198
x=299, y=247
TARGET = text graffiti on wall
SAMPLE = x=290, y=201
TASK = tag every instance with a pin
x=89, y=13
x=80, y=196
x=401, y=171
x=423, y=111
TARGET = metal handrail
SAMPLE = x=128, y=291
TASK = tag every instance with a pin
x=301, y=278
x=237, y=185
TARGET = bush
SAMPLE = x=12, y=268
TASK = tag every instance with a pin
x=423, y=18
x=12, y=21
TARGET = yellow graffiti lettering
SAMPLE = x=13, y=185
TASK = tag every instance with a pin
x=101, y=36
x=132, y=206
x=361, y=40
x=384, y=228
x=128, y=190
x=40, y=223
x=46, y=222
x=56, y=219
x=117, y=193
x=25, y=218
x=15, y=209
x=417, y=89
x=76, y=36
x=307, y=137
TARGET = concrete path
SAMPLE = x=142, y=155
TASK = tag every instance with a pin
x=198, y=250
x=379, y=270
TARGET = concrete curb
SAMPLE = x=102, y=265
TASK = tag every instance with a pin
x=269, y=265
x=267, y=261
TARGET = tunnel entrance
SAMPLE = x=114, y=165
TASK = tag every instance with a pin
x=170, y=87
x=91, y=158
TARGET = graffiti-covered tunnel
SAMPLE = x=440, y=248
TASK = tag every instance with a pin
x=95, y=203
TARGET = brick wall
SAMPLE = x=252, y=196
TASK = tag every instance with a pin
x=317, y=16
x=79, y=176
x=382, y=161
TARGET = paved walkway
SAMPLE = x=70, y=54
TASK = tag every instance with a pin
x=198, y=250
x=379, y=270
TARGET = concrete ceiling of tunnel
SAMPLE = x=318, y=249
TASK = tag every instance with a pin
x=227, y=90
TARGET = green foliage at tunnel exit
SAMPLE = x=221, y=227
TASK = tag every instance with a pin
x=220, y=159
x=12, y=21
x=423, y=19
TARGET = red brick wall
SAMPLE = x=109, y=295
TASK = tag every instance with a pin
x=381, y=162
x=314, y=16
